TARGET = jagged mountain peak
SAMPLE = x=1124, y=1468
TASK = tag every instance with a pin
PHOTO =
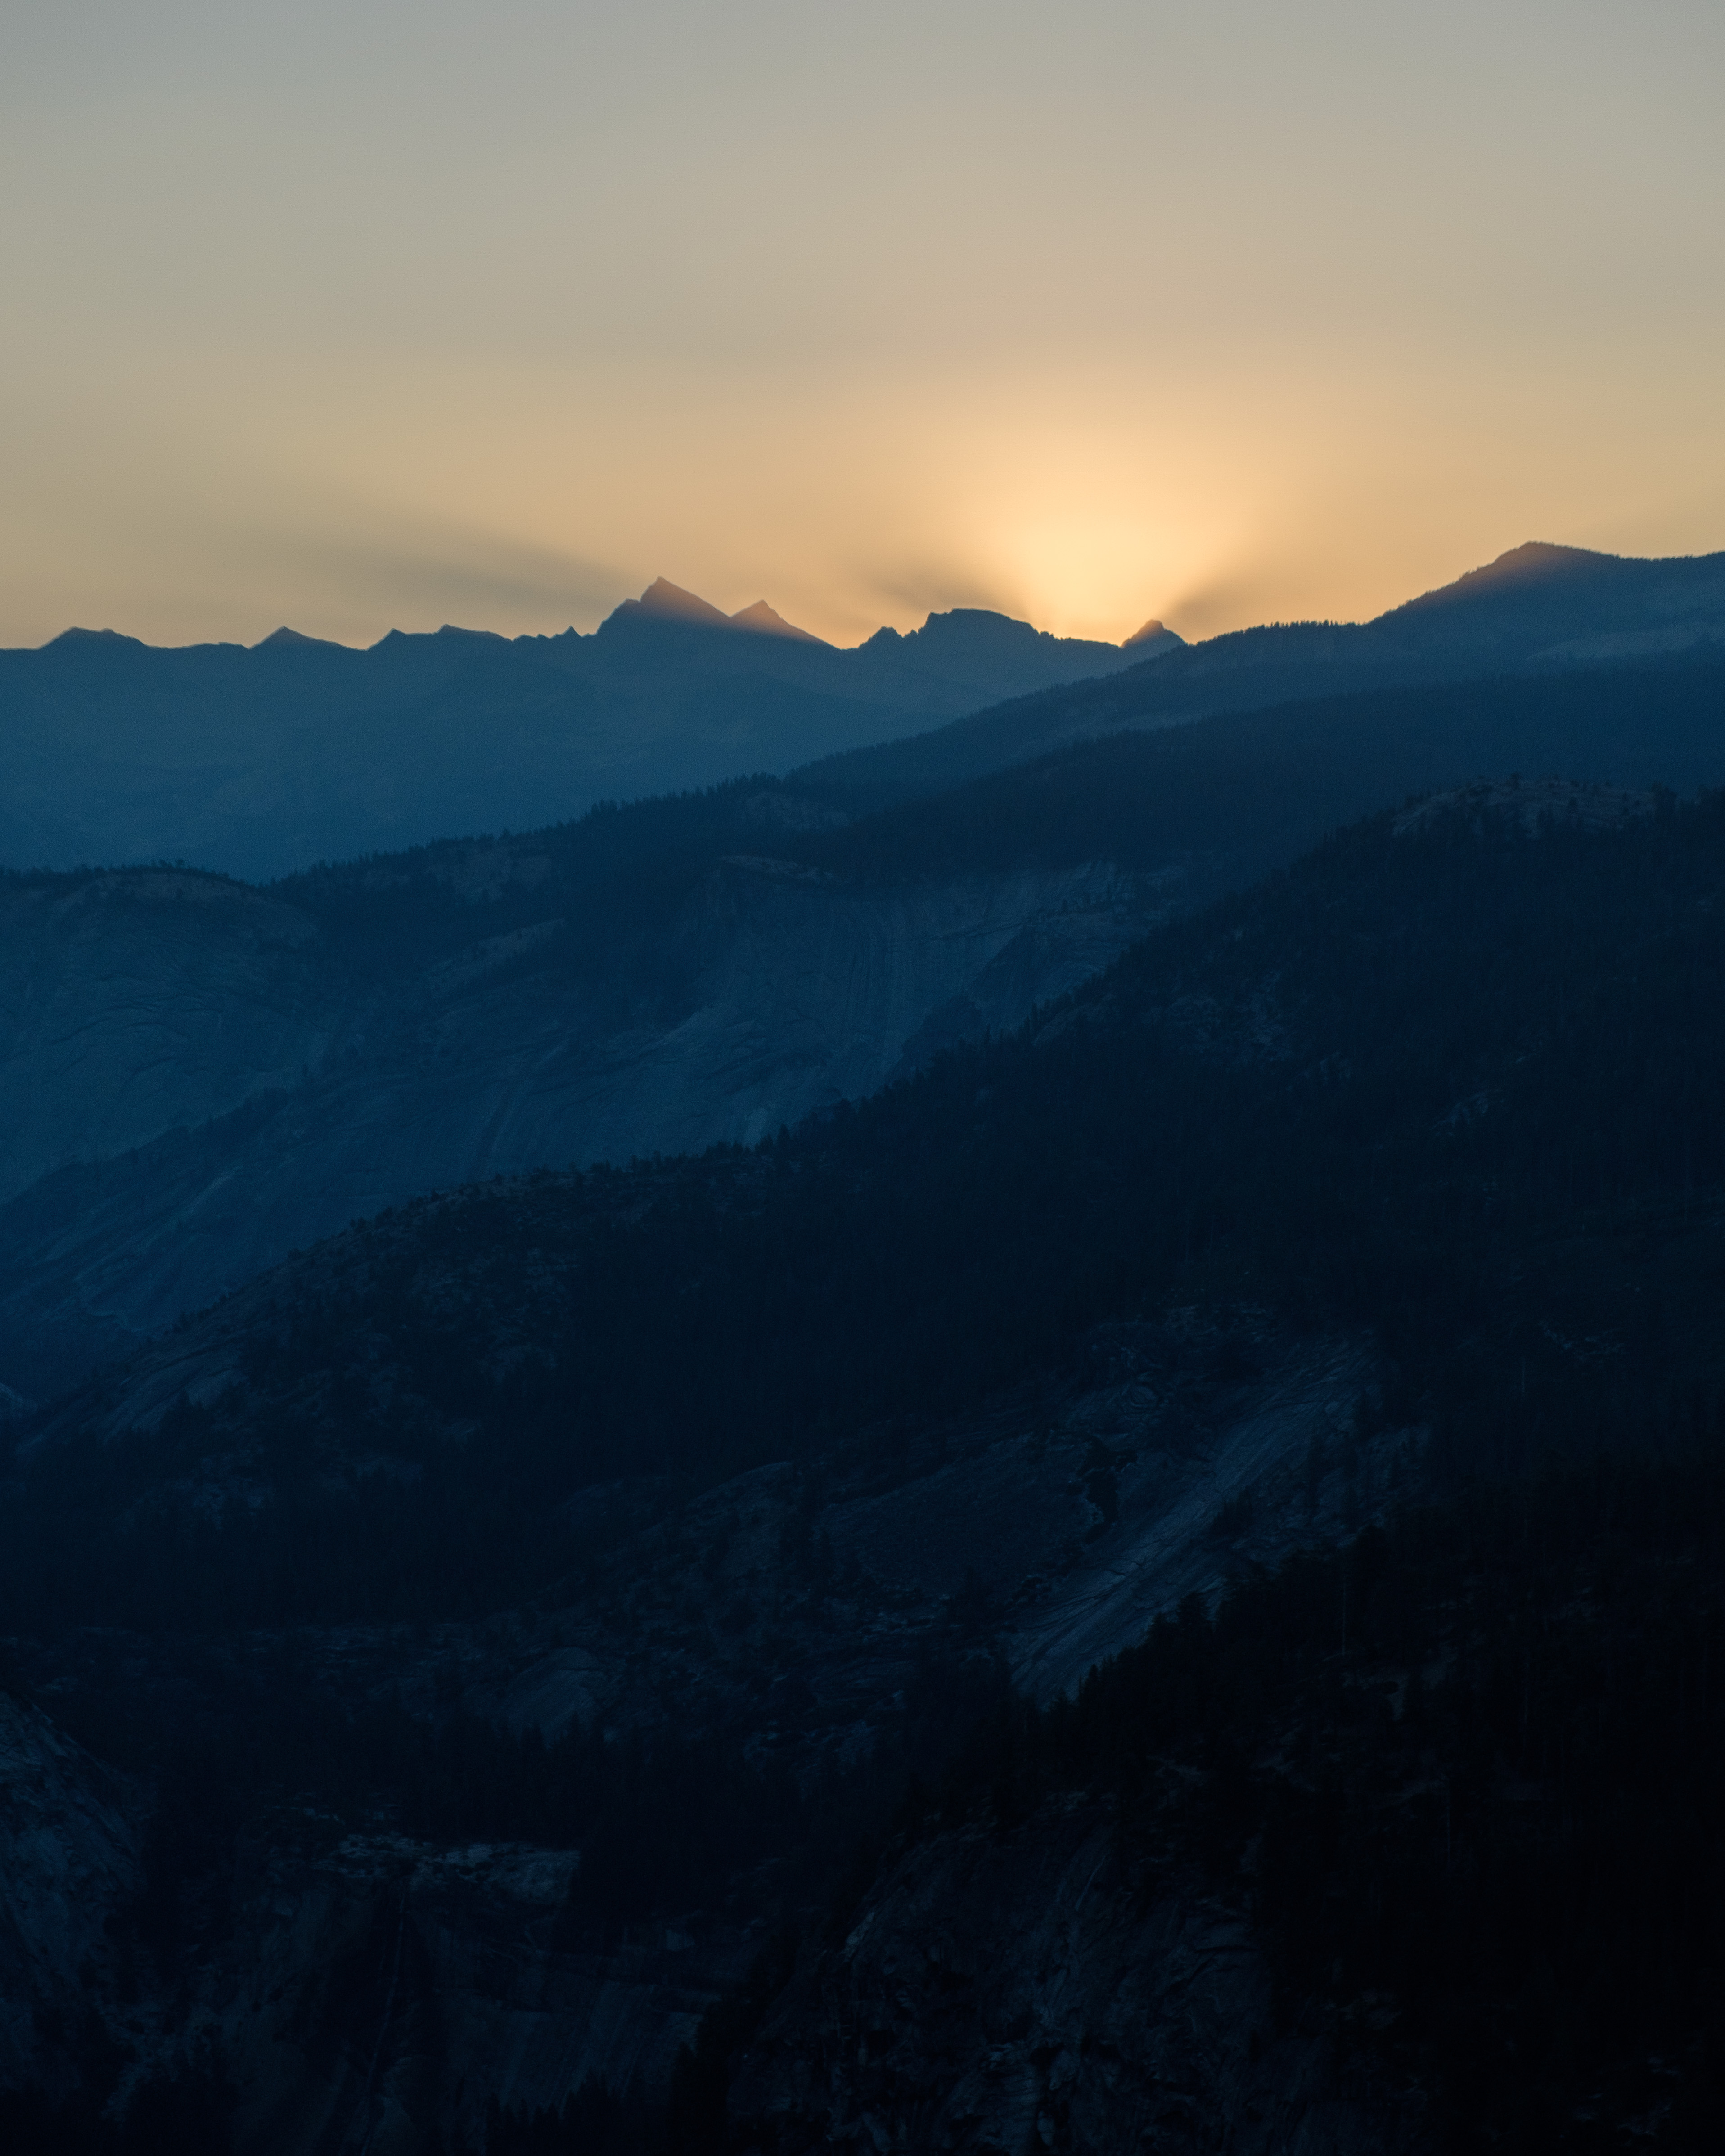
x=760, y=620
x=665, y=602
x=293, y=639
x=109, y=638
x=1154, y=634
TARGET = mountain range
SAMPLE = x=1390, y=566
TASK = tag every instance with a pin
x=1008, y=1439
x=1536, y=610
x=260, y=761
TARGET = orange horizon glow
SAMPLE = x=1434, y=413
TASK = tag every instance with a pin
x=388, y=316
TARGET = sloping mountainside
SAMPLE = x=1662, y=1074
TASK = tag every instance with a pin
x=205, y=1076
x=259, y=762
x=1537, y=610
x=201, y=1076
x=585, y=1662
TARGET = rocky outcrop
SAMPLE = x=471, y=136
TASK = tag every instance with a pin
x=69, y=1857
x=1024, y=1991
x=1178, y=1460
x=379, y=1993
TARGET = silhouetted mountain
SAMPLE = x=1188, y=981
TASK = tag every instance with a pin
x=261, y=762
x=1537, y=608
x=1557, y=603
x=282, y=638
x=764, y=620
x=666, y=603
x=561, y=1603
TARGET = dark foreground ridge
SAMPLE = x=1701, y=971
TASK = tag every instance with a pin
x=578, y=1662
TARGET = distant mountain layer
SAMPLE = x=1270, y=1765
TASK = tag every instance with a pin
x=259, y=762
x=1538, y=608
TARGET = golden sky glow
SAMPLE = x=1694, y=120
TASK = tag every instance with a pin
x=385, y=314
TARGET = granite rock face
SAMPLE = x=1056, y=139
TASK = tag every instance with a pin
x=196, y=1085
x=1024, y=1993
x=135, y=1003
x=69, y=1855
x=376, y=1993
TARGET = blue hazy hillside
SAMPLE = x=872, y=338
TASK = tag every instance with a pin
x=258, y=762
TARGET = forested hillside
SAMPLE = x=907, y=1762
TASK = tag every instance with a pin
x=1402, y=1172
x=1439, y=1081
x=1461, y=1777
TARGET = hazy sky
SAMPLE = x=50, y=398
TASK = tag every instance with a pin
x=389, y=314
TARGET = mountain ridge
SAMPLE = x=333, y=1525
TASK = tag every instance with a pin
x=658, y=977
x=260, y=761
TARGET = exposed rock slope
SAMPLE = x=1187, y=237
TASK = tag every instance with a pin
x=1025, y=1993
x=793, y=989
x=133, y=1003
x=355, y=1984
x=69, y=1859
